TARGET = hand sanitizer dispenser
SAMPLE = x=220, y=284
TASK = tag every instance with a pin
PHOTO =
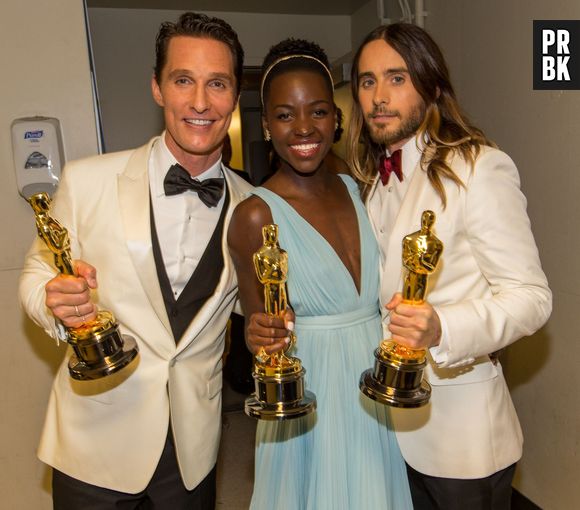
x=38, y=154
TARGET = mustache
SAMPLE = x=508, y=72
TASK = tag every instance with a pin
x=381, y=110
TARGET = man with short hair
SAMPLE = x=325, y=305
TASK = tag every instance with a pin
x=413, y=150
x=153, y=222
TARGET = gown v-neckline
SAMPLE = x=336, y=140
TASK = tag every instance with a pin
x=358, y=291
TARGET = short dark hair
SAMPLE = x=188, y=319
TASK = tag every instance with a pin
x=291, y=47
x=194, y=24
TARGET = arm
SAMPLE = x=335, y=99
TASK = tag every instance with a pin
x=518, y=301
x=244, y=239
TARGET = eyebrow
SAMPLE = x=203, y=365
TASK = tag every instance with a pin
x=223, y=76
x=395, y=70
x=366, y=74
x=313, y=103
x=387, y=72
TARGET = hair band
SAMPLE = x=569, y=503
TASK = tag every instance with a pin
x=288, y=57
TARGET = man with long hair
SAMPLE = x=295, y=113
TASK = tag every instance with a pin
x=412, y=149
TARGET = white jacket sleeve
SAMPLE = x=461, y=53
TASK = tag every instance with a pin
x=498, y=231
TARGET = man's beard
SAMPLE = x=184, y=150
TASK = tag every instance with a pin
x=381, y=135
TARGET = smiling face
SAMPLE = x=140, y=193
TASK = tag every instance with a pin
x=392, y=107
x=300, y=115
x=197, y=91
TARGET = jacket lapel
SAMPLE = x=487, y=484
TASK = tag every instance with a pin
x=373, y=206
x=134, y=204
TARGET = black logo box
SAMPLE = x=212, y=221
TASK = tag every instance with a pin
x=573, y=64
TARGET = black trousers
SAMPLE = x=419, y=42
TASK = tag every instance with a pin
x=165, y=490
x=433, y=493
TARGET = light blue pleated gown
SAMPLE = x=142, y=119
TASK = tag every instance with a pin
x=344, y=456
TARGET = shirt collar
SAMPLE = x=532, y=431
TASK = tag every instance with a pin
x=411, y=155
x=162, y=159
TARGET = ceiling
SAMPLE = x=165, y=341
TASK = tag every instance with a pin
x=329, y=7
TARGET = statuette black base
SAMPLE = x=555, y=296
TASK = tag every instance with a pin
x=279, y=394
x=101, y=353
x=394, y=382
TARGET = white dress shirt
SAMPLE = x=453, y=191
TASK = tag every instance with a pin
x=184, y=224
x=392, y=194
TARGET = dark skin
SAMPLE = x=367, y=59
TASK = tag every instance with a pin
x=300, y=115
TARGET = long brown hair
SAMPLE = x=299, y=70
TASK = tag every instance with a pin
x=445, y=130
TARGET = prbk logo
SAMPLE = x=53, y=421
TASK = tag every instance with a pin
x=556, y=55
x=33, y=135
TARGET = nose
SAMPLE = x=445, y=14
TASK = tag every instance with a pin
x=199, y=99
x=303, y=125
x=380, y=95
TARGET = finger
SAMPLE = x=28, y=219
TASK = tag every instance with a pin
x=257, y=343
x=87, y=272
x=276, y=347
x=289, y=319
x=418, y=324
x=263, y=320
x=403, y=331
x=408, y=339
x=416, y=336
x=87, y=310
x=273, y=332
x=406, y=310
x=75, y=315
x=262, y=324
x=395, y=300
x=56, y=300
x=67, y=285
x=406, y=342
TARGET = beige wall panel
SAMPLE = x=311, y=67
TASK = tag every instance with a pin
x=489, y=48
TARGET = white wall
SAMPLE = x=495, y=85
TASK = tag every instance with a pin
x=489, y=49
x=45, y=72
x=363, y=21
x=124, y=48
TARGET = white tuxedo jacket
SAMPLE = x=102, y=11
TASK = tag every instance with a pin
x=111, y=432
x=490, y=290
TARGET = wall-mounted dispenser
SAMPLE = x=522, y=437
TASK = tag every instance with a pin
x=38, y=154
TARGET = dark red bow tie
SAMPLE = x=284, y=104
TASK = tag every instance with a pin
x=389, y=165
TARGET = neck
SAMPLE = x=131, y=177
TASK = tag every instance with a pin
x=195, y=164
x=399, y=145
x=311, y=183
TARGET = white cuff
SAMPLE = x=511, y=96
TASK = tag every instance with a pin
x=60, y=332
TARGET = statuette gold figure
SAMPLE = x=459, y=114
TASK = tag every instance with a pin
x=54, y=235
x=271, y=264
x=397, y=378
x=99, y=349
x=278, y=378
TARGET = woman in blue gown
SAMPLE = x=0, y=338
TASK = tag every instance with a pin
x=345, y=454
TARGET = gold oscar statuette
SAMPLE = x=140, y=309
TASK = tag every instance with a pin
x=397, y=377
x=278, y=378
x=98, y=347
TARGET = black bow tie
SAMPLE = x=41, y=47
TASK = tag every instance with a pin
x=178, y=180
